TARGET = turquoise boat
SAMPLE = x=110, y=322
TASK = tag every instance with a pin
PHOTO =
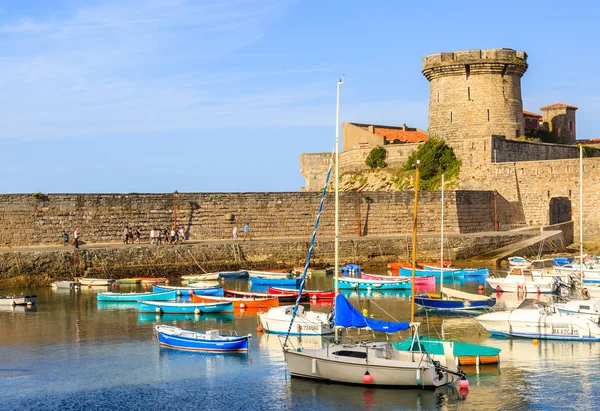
x=168, y=307
x=467, y=354
x=188, y=291
x=348, y=283
x=133, y=297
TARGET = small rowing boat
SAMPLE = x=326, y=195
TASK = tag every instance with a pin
x=281, y=281
x=313, y=294
x=425, y=280
x=234, y=274
x=169, y=307
x=209, y=341
x=283, y=298
x=200, y=277
x=348, y=283
x=91, y=282
x=121, y=281
x=277, y=321
x=239, y=302
x=133, y=297
x=152, y=280
x=187, y=291
x=65, y=284
x=17, y=300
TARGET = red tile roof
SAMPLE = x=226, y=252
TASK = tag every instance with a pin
x=558, y=105
x=530, y=114
x=405, y=136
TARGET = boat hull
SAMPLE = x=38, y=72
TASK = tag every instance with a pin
x=239, y=303
x=234, y=274
x=283, y=298
x=66, y=284
x=95, y=281
x=309, y=323
x=318, y=365
x=286, y=282
x=314, y=295
x=434, y=303
x=546, y=287
x=188, y=291
x=184, y=308
x=424, y=280
x=181, y=339
x=133, y=297
x=13, y=300
x=371, y=285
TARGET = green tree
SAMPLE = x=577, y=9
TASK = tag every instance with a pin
x=436, y=158
x=376, y=158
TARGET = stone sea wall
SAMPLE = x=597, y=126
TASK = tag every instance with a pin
x=40, y=267
x=26, y=220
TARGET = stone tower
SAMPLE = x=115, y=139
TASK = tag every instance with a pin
x=475, y=94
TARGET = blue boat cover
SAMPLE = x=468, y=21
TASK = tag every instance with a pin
x=348, y=316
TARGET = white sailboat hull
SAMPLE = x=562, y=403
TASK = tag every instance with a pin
x=511, y=285
x=277, y=321
x=323, y=364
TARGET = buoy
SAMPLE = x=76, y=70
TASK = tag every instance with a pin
x=259, y=329
x=365, y=312
x=535, y=341
x=197, y=311
x=538, y=290
x=242, y=305
x=463, y=392
x=313, y=297
x=249, y=335
x=498, y=289
x=89, y=286
x=367, y=378
x=157, y=310
x=167, y=282
x=463, y=383
x=368, y=288
x=480, y=287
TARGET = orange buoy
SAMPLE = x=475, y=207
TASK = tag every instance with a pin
x=259, y=329
x=242, y=305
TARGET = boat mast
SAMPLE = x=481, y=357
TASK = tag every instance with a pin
x=442, y=243
x=337, y=193
x=581, y=215
x=414, y=245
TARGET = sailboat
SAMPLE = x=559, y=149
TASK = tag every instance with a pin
x=448, y=298
x=364, y=363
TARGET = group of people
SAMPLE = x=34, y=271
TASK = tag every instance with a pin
x=65, y=237
x=246, y=232
x=128, y=236
x=158, y=236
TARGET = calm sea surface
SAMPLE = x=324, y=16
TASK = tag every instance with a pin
x=70, y=352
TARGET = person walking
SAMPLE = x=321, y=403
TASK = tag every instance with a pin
x=247, y=232
x=65, y=237
x=173, y=235
x=126, y=236
x=181, y=234
x=76, y=238
x=138, y=235
x=157, y=235
x=235, y=236
x=152, y=236
x=166, y=234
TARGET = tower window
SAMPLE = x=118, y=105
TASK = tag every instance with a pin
x=488, y=114
x=469, y=93
x=571, y=126
x=468, y=70
x=451, y=117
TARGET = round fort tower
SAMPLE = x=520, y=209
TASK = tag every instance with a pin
x=475, y=94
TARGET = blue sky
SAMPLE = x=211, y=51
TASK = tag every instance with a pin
x=202, y=96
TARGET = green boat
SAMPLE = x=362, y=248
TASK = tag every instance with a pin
x=467, y=354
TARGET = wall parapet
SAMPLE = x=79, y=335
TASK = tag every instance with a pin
x=505, y=151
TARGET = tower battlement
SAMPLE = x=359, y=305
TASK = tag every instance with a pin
x=465, y=62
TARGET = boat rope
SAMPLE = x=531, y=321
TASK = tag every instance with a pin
x=310, y=249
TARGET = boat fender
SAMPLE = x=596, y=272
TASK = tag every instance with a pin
x=314, y=366
x=498, y=289
x=367, y=378
x=463, y=383
x=249, y=335
x=157, y=310
x=197, y=311
x=242, y=305
x=419, y=377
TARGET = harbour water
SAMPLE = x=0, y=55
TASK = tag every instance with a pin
x=70, y=352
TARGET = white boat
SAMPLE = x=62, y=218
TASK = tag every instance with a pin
x=579, y=307
x=277, y=321
x=518, y=262
x=269, y=274
x=17, y=300
x=535, y=319
x=66, y=284
x=545, y=269
x=200, y=277
x=84, y=281
x=521, y=279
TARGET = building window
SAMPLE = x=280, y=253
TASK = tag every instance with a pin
x=518, y=133
x=451, y=117
x=469, y=93
x=571, y=126
x=488, y=114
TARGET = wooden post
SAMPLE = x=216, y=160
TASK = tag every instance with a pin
x=495, y=212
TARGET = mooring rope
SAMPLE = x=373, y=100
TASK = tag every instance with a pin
x=310, y=249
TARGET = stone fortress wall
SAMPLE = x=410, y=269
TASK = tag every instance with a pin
x=26, y=220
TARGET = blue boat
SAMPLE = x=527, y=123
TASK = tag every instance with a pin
x=281, y=282
x=348, y=283
x=234, y=274
x=452, y=272
x=475, y=272
x=560, y=261
x=133, y=297
x=188, y=291
x=168, y=307
x=211, y=341
x=454, y=300
x=350, y=269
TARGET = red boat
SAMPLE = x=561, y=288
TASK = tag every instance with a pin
x=283, y=298
x=313, y=294
x=394, y=267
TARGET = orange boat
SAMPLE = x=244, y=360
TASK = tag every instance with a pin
x=238, y=302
